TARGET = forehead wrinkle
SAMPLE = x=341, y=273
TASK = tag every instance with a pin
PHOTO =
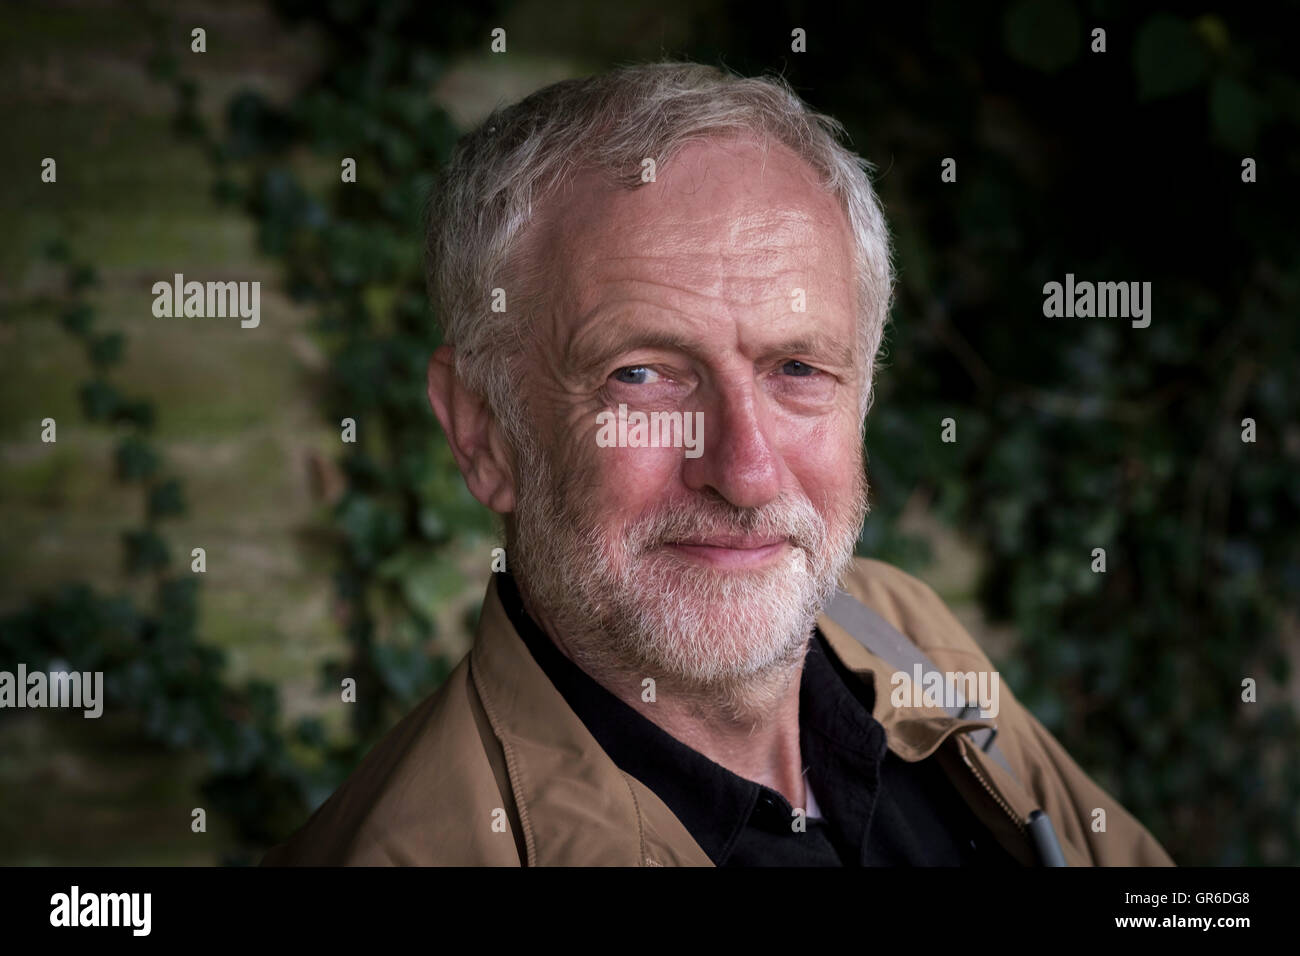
x=666, y=222
x=758, y=250
x=775, y=228
x=726, y=281
x=723, y=291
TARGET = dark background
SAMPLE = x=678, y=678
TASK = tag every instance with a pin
x=330, y=560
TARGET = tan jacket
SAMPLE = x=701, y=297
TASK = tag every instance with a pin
x=495, y=769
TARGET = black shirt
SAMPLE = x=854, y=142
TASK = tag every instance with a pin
x=876, y=808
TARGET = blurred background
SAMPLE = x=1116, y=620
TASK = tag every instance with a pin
x=327, y=560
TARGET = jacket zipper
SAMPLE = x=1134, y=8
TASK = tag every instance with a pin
x=997, y=797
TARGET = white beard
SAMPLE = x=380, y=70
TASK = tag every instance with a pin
x=627, y=606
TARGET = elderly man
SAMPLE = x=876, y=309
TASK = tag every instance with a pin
x=685, y=663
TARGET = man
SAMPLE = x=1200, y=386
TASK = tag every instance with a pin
x=664, y=292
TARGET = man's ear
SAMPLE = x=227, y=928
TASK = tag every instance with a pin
x=473, y=434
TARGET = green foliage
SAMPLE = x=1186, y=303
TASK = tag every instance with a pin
x=155, y=668
x=355, y=251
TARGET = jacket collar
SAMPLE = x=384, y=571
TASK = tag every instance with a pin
x=913, y=734
x=574, y=804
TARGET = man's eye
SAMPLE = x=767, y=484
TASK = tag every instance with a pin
x=633, y=375
x=797, y=368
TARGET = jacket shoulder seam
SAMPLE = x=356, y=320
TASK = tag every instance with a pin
x=640, y=822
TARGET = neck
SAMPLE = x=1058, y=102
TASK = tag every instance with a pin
x=751, y=727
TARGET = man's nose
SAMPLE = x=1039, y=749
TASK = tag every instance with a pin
x=738, y=459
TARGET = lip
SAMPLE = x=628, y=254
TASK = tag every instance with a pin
x=730, y=550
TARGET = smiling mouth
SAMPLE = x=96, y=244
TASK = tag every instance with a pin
x=729, y=550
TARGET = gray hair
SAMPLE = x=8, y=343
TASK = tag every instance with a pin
x=523, y=154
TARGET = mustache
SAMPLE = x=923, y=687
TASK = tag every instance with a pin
x=791, y=517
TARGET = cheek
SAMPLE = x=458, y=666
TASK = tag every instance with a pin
x=628, y=482
x=825, y=458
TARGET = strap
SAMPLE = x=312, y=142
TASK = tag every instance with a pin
x=882, y=639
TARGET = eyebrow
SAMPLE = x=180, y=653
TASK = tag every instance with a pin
x=842, y=354
x=606, y=346
x=587, y=360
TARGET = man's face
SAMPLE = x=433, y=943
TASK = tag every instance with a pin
x=683, y=295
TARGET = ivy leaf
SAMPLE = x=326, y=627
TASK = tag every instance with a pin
x=107, y=350
x=1234, y=113
x=77, y=319
x=99, y=401
x=1168, y=57
x=1043, y=34
x=82, y=277
x=136, y=459
x=139, y=413
x=166, y=499
x=145, y=551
